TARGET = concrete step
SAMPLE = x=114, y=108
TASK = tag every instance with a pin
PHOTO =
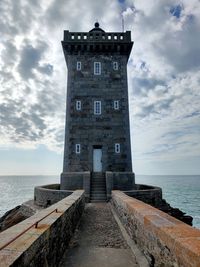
x=101, y=190
x=97, y=201
x=98, y=188
x=98, y=174
x=98, y=177
x=98, y=195
x=99, y=198
x=98, y=183
x=98, y=180
x=97, y=191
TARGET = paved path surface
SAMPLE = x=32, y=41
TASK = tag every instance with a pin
x=98, y=241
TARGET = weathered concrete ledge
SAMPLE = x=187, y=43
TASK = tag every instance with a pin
x=44, y=245
x=164, y=240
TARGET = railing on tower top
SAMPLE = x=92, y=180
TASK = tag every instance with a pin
x=97, y=36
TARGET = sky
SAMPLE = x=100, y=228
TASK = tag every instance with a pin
x=163, y=78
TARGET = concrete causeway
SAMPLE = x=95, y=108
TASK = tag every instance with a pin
x=98, y=241
x=78, y=234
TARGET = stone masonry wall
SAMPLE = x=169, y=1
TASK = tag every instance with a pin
x=44, y=245
x=49, y=194
x=89, y=130
x=164, y=240
x=97, y=106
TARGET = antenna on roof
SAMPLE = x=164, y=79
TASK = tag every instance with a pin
x=122, y=22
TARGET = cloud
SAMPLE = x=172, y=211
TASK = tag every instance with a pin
x=163, y=71
x=29, y=59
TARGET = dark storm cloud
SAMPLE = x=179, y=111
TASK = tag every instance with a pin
x=173, y=135
x=147, y=110
x=146, y=84
x=165, y=104
x=46, y=69
x=74, y=15
x=161, y=107
x=63, y=13
x=25, y=125
x=166, y=148
x=30, y=58
x=49, y=101
x=24, y=14
x=179, y=48
x=24, y=122
x=193, y=114
x=18, y=16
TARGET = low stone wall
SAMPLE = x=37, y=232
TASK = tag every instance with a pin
x=76, y=180
x=119, y=181
x=149, y=194
x=44, y=245
x=47, y=195
x=164, y=240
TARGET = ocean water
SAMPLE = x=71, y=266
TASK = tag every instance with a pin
x=14, y=190
x=180, y=191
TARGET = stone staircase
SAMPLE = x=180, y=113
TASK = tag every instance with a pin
x=98, y=187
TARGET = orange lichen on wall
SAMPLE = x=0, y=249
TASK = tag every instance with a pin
x=181, y=241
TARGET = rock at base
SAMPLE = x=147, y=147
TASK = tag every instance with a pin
x=18, y=214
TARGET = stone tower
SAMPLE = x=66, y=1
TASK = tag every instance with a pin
x=97, y=133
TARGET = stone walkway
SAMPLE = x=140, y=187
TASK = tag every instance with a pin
x=98, y=241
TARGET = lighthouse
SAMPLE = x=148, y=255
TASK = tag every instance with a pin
x=97, y=148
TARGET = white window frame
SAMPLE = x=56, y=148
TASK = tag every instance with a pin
x=78, y=148
x=117, y=148
x=97, y=107
x=97, y=68
x=116, y=104
x=115, y=65
x=78, y=105
x=78, y=65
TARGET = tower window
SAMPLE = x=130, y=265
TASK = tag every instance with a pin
x=78, y=148
x=97, y=107
x=97, y=68
x=78, y=65
x=115, y=65
x=116, y=104
x=117, y=148
x=78, y=105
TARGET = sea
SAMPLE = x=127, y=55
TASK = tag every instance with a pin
x=180, y=191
